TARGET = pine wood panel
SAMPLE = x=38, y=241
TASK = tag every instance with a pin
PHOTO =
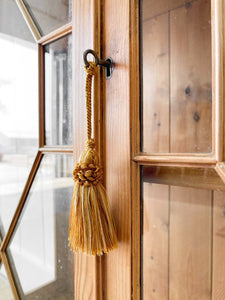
x=117, y=264
x=177, y=88
x=155, y=241
x=190, y=244
x=218, y=279
x=191, y=101
x=153, y=8
x=156, y=85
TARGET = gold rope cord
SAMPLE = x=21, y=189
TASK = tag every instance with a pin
x=91, y=71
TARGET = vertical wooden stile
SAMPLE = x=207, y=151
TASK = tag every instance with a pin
x=217, y=16
x=98, y=122
x=83, y=38
x=134, y=11
x=117, y=264
x=41, y=71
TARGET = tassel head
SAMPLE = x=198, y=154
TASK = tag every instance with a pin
x=88, y=170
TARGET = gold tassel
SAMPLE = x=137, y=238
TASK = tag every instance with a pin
x=91, y=227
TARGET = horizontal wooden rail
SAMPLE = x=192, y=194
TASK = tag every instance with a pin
x=56, y=149
x=56, y=34
x=176, y=160
x=204, y=178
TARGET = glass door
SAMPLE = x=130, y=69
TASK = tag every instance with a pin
x=182, y=193
x=36, y=149
x=163, y=131
x=159, y=128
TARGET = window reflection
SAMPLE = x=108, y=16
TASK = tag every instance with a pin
x=58, y=92
x=39, y=252
x=49, y=15
x=18, y=108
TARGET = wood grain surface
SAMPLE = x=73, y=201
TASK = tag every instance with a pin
x=85, y=274
x=191, y=87
x=177, y=242
x=190, y=244
x=177, y=83
x=153, y=8
x=218, y=272
x=156, y=103
x=155, y=241
x=117, y=264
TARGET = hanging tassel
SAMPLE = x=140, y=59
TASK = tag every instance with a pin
x=91, y=227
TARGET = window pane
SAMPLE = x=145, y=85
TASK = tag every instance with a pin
x=49, y=15
x=18, y=108
x=177, y=84
x=12, y=23
x=5, y=289
x=58, y=92
x=183, y=236
x=39, y=252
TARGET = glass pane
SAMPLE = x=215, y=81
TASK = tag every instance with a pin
x=49, y=15
x=58, y=92
x=12, y=24
x=5, y=289
x=177, y=83
x=183, y=238
x=18, y=108
x=39, y=252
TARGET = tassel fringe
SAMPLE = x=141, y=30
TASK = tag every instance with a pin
x=91, y=227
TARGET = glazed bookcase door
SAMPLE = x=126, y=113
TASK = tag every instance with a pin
x=161, y=139
x=36, y=155
x=163, y=148
x=181, y=150
x=159, y=128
